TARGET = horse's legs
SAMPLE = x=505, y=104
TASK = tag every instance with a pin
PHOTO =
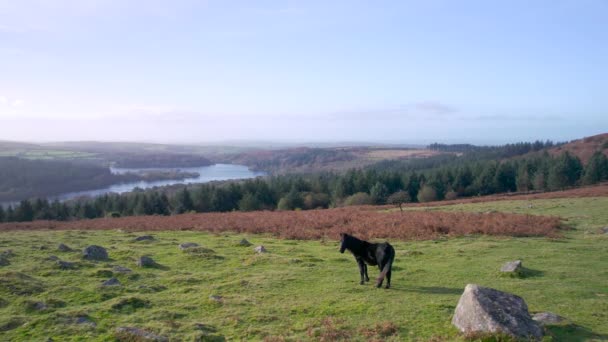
x=380, y=266
x=388, y=279
x=362, y=270
x=366, y=276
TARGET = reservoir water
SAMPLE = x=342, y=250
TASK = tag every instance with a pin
x=217, y=172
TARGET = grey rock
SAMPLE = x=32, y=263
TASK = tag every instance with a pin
x=186, y=245
x=511, y=267
x=144, y=238
x=547, y=318
x=146, y=261
x=39, y=306
x=52, y=258
x=4, y=261
x=83, y=320
x=121, y=269
x=111, y=282
x=66, y=265
x=94, y=252
x=244, y=243
x=485, y=310
x=136, y=334
x=216, y=298
x=260, y=249
x=63, y=248
x=605, y=230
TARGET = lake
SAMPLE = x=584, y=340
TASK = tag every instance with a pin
x=217, y=172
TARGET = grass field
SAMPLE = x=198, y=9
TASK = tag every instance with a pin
x=300, y=290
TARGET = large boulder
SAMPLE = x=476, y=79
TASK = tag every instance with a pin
x=95, y=252
x=485, y=310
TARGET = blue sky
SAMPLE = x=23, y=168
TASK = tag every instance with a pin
x=403, y=71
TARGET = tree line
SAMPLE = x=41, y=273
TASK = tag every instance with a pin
x=400, y=183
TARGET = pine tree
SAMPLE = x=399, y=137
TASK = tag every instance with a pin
x=596, y=170
x=379, y=193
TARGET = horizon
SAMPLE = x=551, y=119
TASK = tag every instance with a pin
x=191, y=72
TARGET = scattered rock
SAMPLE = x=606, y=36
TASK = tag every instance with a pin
x=485, y=310
x=605, y=230
x=548, y=318
x=130, y=304
x=52, y=258
x=186, y=245
x=66, y=265
x=144, y=238
x=36, y=306
x=111, y=282
x=4, y=261
x=5, y=256
x=260, y=249
x=511, y=267
x=64, y=248
x=12, y=323
x=216, y=298
x=136, y=334
x=245, y=243
x=146, y=261
x=95, y=252
x=83, y=320
x=121, y=269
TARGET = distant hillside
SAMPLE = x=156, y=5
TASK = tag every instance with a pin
x=307, y=160
x=584, y=148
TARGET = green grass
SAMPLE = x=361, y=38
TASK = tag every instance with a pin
x=301, y=290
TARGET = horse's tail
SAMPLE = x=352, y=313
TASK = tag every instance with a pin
x=387, y=267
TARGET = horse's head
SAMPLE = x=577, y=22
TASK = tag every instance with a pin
x=343, y=238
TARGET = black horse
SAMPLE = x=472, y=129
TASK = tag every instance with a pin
x=381, y=254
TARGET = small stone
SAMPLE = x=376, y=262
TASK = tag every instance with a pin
x=136, y=334
x=216, y=298
x=547, y=318
x=52, y=258
x=186, y=245
x=39, y=306
x=63, y=248
x=260, y=249
x=244, y=243
x=111, y=282
x=605, y=230
x=85, y=321
x=66, y=265
x=94, y=252
x=146, y=261
x=4, y=261
x=121, y=269
x=511, y=267
x=144, y=238
x=485, y=310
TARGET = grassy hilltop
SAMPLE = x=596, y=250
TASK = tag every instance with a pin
x=300, y=290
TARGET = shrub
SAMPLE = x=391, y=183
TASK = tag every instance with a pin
x=360, y=198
